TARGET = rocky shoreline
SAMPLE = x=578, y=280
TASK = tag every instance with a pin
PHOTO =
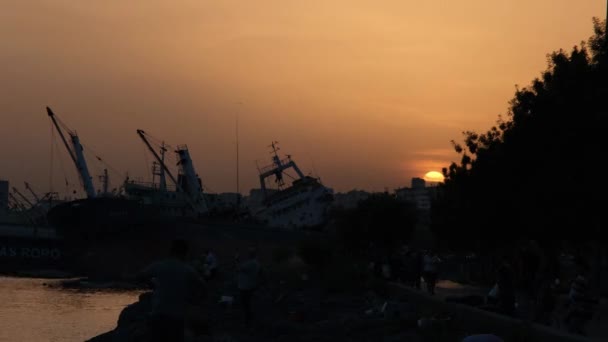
x=296, y=316
x=293, y=305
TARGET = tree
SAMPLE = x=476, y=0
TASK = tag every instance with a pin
x=538, y=170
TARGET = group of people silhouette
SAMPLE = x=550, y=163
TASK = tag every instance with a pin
x=176, y=282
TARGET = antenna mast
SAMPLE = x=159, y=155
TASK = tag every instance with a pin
x=158, y=170
x=105, y=181
x=238, y=193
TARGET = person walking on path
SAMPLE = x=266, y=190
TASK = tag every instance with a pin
x=210, y=264
x=249, y=273
x=431, y=269
x=175, y=282
x=506, y=288
x=417, y=261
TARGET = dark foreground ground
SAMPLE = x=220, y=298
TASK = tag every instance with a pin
x=297, y=303
x=289, y=307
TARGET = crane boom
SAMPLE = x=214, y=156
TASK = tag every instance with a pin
x=77, y=155
x=65, y=142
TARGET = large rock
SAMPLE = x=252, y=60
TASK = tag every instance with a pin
x=132, y=322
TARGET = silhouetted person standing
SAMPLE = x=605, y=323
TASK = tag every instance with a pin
x=431, y=271
x=506, y=288
x=210, y=265
x=530, y=264
x=174, y=282
x=580, y=304
x=417, y=261
x=248, y=280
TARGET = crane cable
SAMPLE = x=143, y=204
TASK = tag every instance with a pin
x=92, y=152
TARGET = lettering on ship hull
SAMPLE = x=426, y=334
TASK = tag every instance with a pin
x=30, y=252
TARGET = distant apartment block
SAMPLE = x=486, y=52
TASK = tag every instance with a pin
x=420, y=194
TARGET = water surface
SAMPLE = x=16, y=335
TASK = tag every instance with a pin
x=31, y=311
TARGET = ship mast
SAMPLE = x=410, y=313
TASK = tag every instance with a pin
x=142, y=135
x=77, y=155
x=238, y=192
x=162, y=181
x=105, y=181
x=158, y=170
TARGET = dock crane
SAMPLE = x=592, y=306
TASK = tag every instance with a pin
x=76, y=154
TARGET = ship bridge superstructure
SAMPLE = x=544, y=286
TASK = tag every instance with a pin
x=277, y=169
x=302, y=203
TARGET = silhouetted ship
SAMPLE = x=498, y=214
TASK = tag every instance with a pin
x=26, y=240
x=304, y=204
x=139, y=207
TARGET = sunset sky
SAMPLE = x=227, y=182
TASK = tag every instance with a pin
x=364, y=94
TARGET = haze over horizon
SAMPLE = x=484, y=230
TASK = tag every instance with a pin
x=364, y=94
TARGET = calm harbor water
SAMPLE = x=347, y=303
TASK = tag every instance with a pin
x=30, y=311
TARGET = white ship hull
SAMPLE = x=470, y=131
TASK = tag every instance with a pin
x=299, y=207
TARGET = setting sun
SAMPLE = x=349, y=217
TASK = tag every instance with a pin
x=433, y=176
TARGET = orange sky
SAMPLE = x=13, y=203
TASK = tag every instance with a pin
x=366, y=94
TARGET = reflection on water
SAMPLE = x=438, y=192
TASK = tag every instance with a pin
x=30, y=311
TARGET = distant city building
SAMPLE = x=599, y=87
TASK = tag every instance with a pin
x=418, y=183
x=349, y=200
x=420, y=194
x=3, y=196
x=417, y=194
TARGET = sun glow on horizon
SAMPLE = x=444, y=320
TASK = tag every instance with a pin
x=434, y=176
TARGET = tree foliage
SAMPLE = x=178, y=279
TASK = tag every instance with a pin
x=537, y=172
